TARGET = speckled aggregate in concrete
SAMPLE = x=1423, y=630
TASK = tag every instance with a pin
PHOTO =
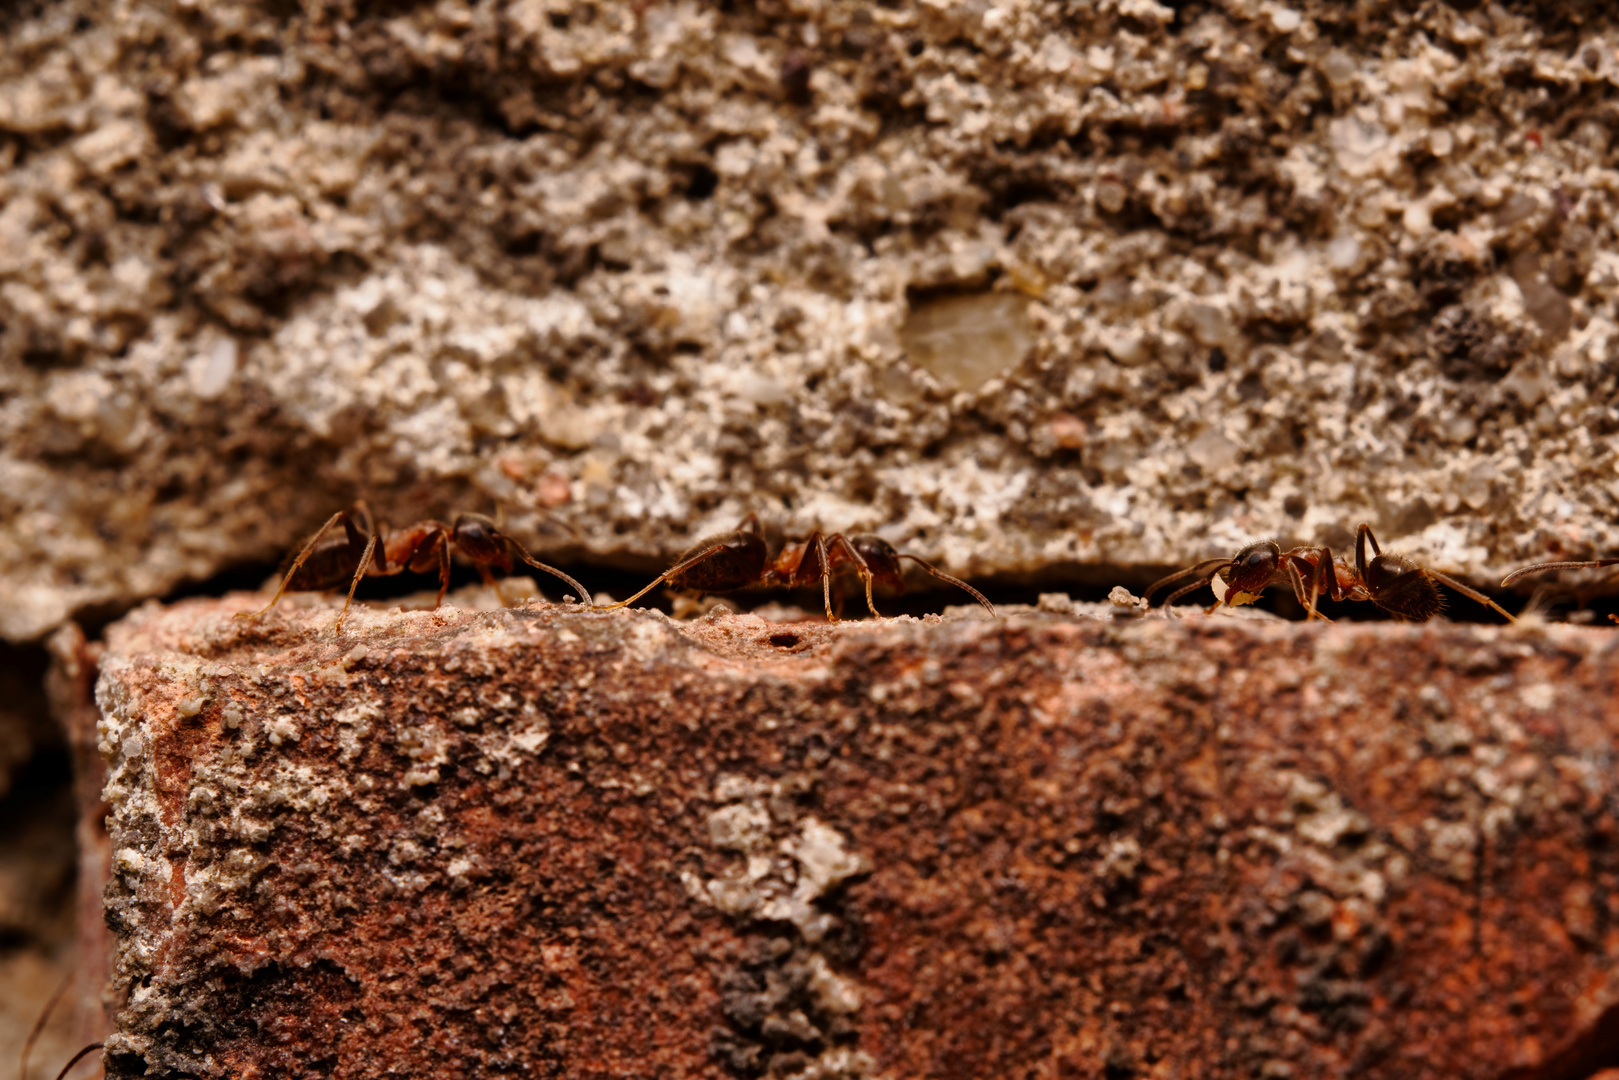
x=1016, y=288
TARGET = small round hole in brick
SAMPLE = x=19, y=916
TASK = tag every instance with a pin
x=784, y=641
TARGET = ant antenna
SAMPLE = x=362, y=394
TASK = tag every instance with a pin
x=39, y=1025
x=942, y=576
x=548, y=518
x=1203, y=571
x=584, y=597
x=77, y=1058
x=1538, y=567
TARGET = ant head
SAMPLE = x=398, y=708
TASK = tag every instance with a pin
x=881, y=558
x=1253, y=567
x=479, y=539
x=1399, y=587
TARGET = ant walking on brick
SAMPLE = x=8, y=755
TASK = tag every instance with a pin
x=362, y=550
x=1253, y=569
x=740, y=558
x=1392, y=582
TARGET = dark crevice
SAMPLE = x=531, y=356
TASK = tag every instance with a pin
x=1081, y=582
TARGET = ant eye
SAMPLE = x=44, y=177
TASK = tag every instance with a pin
x=1255, y=560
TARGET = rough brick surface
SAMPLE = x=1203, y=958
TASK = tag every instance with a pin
x=553, y=843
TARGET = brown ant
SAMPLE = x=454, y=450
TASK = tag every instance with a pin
x=1254, y=568
x=417, y=548
x=1392, y=582
x=740, y=558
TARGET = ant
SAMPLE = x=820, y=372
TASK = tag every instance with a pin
x=1254, y=568
x=1392, y=582
x=357, y=553
x=740, y=558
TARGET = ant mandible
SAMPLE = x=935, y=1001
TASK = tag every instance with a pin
x=1392, y=582
x=740, y=558
x=358, y=552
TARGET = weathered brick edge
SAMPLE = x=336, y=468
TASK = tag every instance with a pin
x=542, y=842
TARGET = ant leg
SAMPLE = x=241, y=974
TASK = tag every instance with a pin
x=957, y=582
x=1538, y=567
x=490, y=581
x=584, y=597
x=826, y=574
x=1295, y=578
x=1472, y=594
x=668, y=575
x=296, y=563
x=1323, y=579
x=1363, y=534
x=1203, y=571
x=443, y=542
x=841, y=543
x=365, y=564
x=1326, y=574
x=801, y=574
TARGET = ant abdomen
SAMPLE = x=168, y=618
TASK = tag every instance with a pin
x=738, y=561
x=326, y=566
x=1401, y=588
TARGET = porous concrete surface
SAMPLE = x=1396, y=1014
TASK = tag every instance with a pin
x=553, y=842
x=1018, y=287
